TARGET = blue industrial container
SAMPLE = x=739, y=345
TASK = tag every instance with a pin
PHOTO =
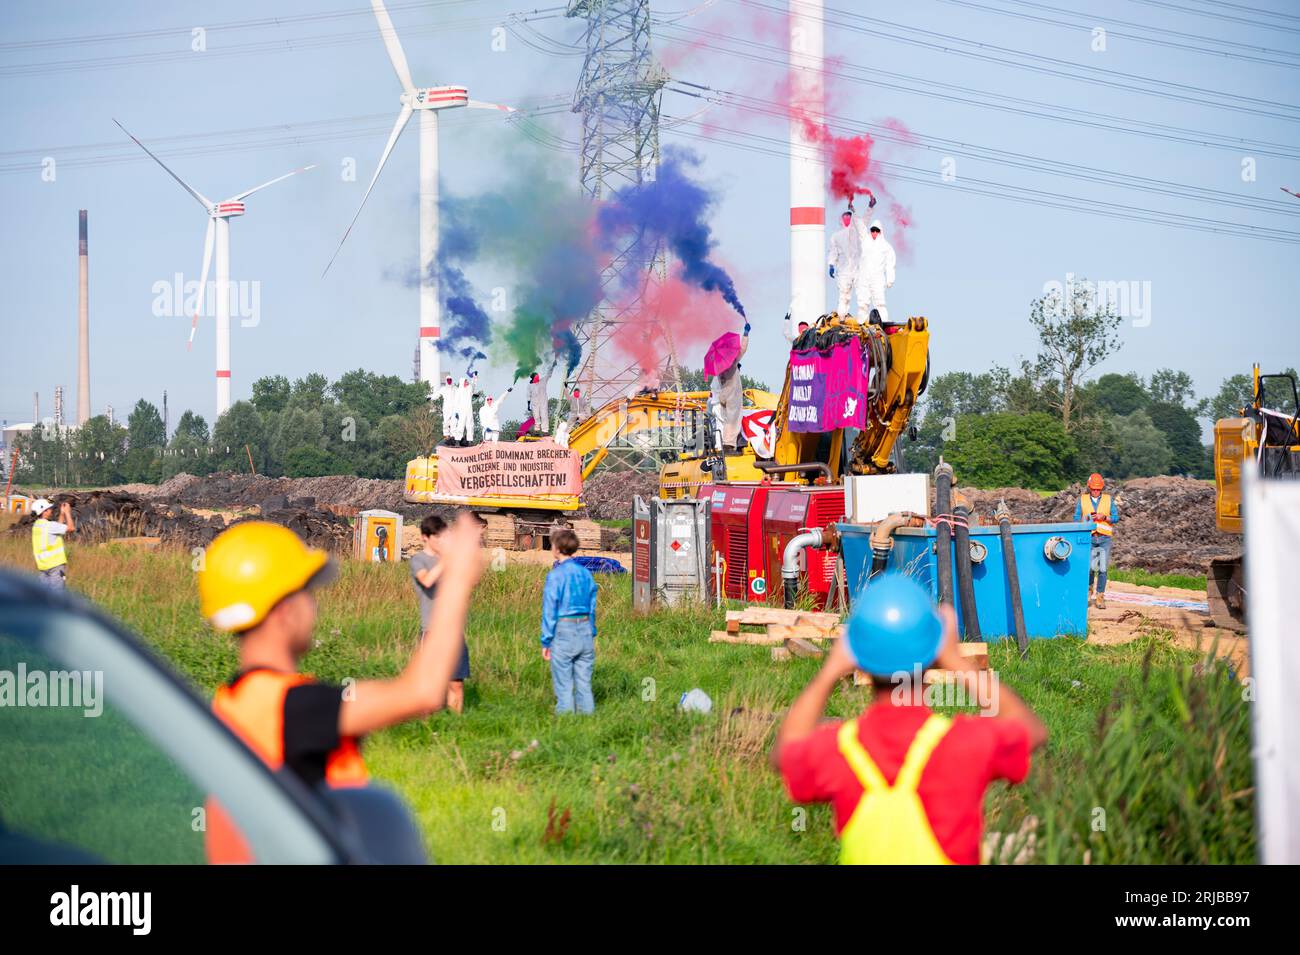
x=1054, y=593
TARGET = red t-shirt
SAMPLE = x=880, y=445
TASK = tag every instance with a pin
x=975, y=751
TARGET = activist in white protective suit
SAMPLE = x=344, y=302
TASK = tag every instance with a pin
x=462, y=432
x=842, y=263
x=489, y=415
x=875, y=271
x=726, y=390
x=538, y=403
x=446, y=393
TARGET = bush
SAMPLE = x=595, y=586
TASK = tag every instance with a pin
x=1011, y=450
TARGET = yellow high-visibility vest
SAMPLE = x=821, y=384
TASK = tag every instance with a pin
x=1102, y=525
x=889, y=825
x=47, y=548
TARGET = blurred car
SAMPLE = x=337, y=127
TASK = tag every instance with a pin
x=107, y=756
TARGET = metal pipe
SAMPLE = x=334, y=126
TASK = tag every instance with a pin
x=882, y=541
x=965, y=582
x=943, y=531
x=1003, y=515
x=795, y=468
x=790, y=562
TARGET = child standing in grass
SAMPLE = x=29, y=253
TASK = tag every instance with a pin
x=426, y=568
x=569, y=626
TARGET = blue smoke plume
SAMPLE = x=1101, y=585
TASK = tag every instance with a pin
x=672, y=210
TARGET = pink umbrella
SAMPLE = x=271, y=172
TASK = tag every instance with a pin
x=722, y=354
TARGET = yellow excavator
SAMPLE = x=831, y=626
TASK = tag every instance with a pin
x=1272, y=439
x=645, y=425
x=901, y=352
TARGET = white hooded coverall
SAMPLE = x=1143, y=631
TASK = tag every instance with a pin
x=875, y=271
x=729, y=395
x=489, y=416
x=846, y=251
x=462, y=425
x=537, y=404
x=446, y=393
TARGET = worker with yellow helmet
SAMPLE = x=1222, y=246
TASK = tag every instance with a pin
x=258, y=581
x=1101, y=509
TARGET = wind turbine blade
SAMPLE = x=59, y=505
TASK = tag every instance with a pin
x=203, y=200
x=393, y=45
x=402, y=117
x=248, y=192
x=479, y=104
x=203, y=281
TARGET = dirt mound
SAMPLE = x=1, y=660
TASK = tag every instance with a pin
x=1166, y=523
x=104, y=515
x=232, y=490
x=608, y=494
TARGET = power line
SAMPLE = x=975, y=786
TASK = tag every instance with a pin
x=1108, y=24
x=1113, y=79
x=1224, y=16
x=251, y=48
x=254, y=138
x=230, y=26
x=1002, y=103
x=1017, y=159
x=1257, y=11
x=1023, y=194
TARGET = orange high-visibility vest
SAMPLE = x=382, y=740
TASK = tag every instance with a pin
x=1102, y=525
x=254, y=709
x=889, y=826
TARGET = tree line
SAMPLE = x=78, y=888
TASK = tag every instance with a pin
x=1048, y=423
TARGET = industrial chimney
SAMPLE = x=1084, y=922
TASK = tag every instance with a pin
x=807, y=168
x=83, y=323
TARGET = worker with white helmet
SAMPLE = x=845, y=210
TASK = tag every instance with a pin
x=489, y=415
x=846, y=251
x=47, y=542
x=875, y=271
x=259, y=582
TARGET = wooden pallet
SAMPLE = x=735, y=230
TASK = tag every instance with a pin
x=799, y=631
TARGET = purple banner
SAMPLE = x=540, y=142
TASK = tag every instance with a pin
x=828, y=389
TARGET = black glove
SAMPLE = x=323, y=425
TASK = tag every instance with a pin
x=747, y=328
x=832, y=271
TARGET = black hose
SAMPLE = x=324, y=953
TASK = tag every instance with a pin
x=1013, y=581
x=965, y=582
x=879, y=560
x=791, y=592
x=943, y=532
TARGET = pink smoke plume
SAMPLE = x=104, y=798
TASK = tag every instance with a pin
x=672, y=310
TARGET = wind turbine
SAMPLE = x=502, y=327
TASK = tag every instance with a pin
x=427, y=101
x=219, y=216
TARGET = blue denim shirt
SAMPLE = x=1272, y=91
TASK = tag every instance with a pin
x=570, y=592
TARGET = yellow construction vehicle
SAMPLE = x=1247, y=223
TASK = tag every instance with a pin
x=1272, y=440
x=901, y=352
x=650, y=425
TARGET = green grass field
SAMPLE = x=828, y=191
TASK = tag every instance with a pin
x=1146, y=735
x=1148, y=579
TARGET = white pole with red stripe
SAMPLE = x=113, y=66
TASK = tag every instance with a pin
x=807, y=169
x=223, y=314
x=430, y=309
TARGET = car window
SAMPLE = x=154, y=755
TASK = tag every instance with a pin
x=105, y=756
x=76, y=774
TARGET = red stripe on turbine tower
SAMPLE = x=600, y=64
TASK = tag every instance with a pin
x=223, y=374
x=808, y=215
x=430, y=332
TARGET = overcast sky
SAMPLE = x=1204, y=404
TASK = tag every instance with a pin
x=272, y=92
